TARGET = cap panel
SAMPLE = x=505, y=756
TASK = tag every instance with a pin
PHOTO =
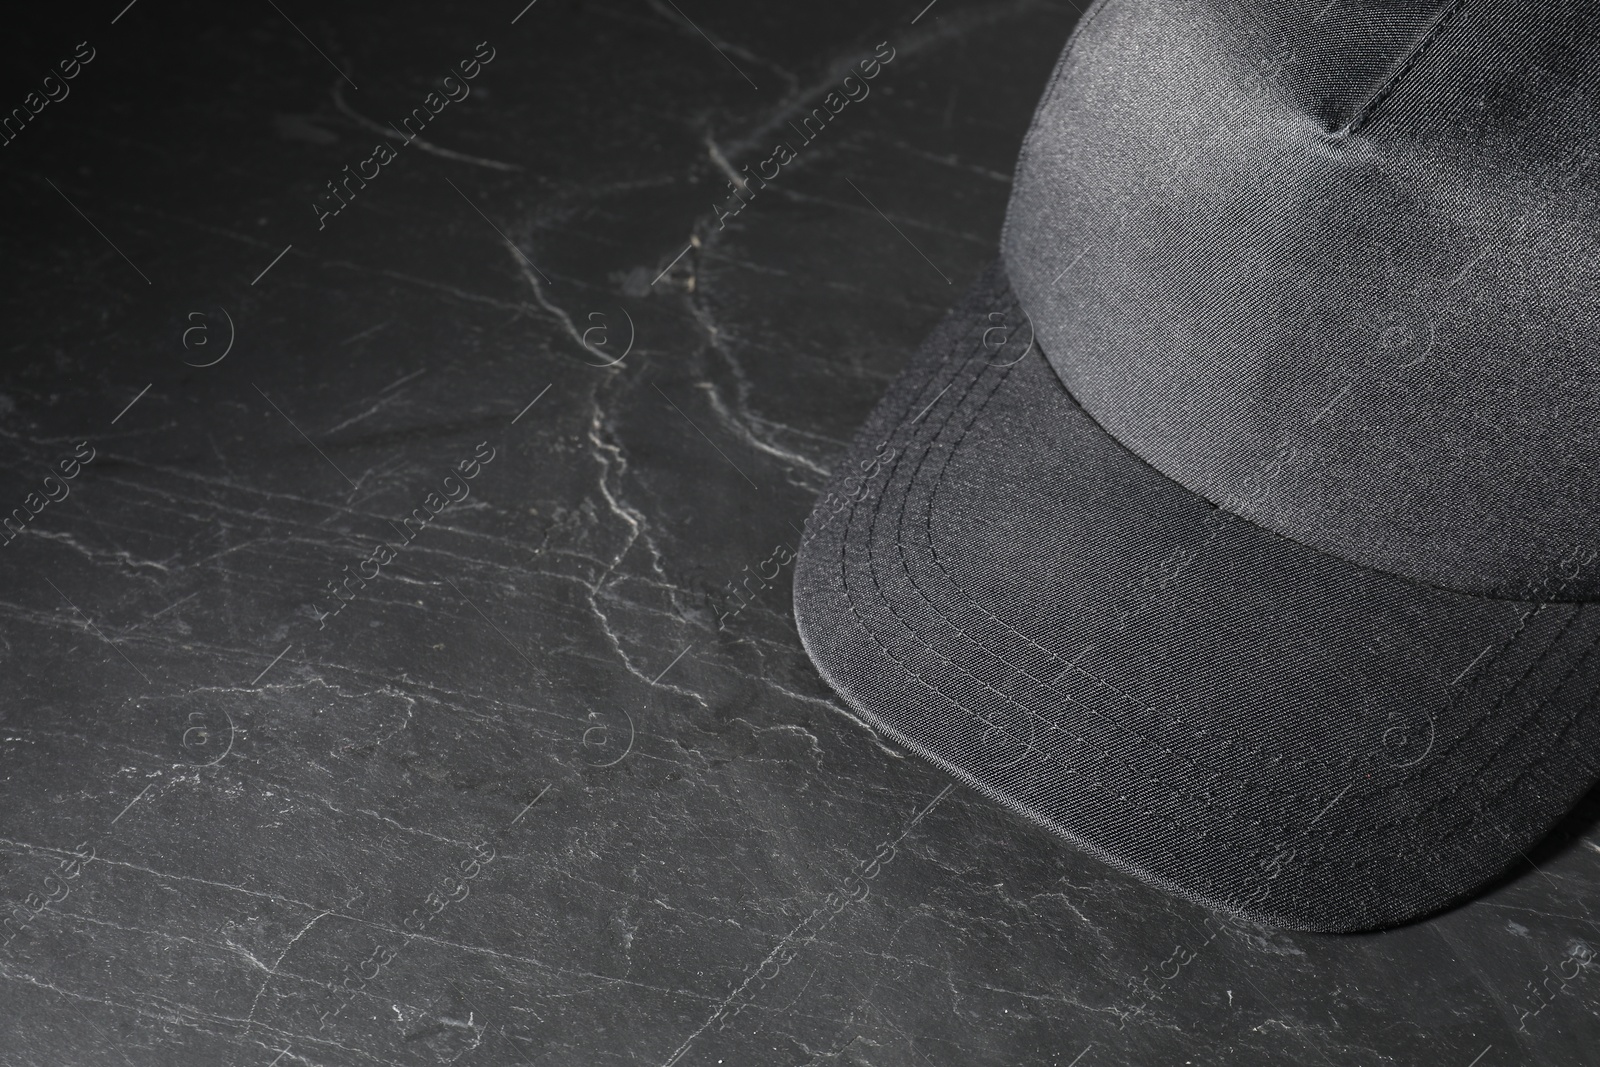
x=1361, y=312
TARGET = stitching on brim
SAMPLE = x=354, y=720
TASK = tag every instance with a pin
x=962, y=364
x=1411, y=776
x=1040, y=684
x=1395, y=786
x=870, y=631
x=1176, y=794
x=1117, y=726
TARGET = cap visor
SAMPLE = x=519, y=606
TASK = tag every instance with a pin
x=1258, y=726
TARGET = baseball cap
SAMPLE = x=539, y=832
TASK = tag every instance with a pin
x=1239, y=524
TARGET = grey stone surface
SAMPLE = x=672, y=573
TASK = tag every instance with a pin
x=538, y=794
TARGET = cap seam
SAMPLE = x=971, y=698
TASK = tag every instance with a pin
x=1441, y=23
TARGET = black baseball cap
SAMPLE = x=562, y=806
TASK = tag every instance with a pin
x=1240, y=525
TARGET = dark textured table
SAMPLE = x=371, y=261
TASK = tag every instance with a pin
x=398, y=650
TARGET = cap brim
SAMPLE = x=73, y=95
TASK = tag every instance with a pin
x=1263, y=728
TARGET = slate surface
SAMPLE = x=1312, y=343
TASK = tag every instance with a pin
x=536, y=794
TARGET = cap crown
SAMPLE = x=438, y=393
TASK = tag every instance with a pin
x=1332, y=264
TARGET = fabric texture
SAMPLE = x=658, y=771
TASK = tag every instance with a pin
x=1336, y=267
x=1002, y=586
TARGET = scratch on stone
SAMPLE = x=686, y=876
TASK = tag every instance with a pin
x=272, y=972
x=544, y=301
x=426, y=146
x=615, y=465
x=789, y=938
x=411, y=829
x=119, y=555
x=845, y=710
x=721, y=162
x=678, y=19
